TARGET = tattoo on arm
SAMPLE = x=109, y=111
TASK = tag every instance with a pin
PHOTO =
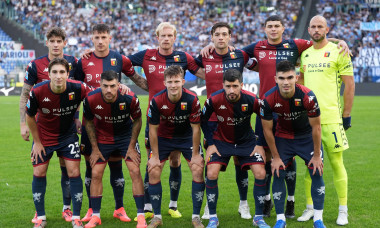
x=140, y=81
x=23, y=100
x=90, y=128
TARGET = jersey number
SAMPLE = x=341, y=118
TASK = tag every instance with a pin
x=336, y=140
x=74, y=148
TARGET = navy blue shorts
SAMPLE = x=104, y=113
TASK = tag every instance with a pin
x=241, y=151
x=85, y=144
x=212, y=125
x=115, y=150
x=288, y=148
x=259, y=129
x=166, y=146
x=68, y=150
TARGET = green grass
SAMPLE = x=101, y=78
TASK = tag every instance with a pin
x=361, y=160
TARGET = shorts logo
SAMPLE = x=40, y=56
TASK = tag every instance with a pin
x=208, y=68
x=71, y=96
x=327, y=54
x=176, y=58
x=232, y=55
x=297, y=102
x=152, y=68
x=183, y=105
x=122, y=106
x=113, y=62
x=244, y=107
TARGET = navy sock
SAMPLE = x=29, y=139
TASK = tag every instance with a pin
x=197, y=193
x=242, y=182
x=76, y=190
x=212, y=193
x=146, y=187
x=117, y=182
x=38, y=190
x=175, y=180
x=259, y=195
x=290, y=178
x=96, y=202
x=317, y=190
x=65, y=185
x=87, y=181
x=279, y=192
x=268, y=177
x=139, y=200
x=155, y=192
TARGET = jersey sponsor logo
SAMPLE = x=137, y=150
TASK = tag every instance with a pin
x=99, y=107
x=71, y=96
x=113, y=62
x=90, y=64
x=88, y=77
x=164, y=107
x=183, y=105
x=222, y=107
x=45, y=110
x=46, y=70
x=98, y=117
x=220, y=118
x=232, y=55
x=211, y=57
x=311, y=98
x=286, y=45
x=152, y=68
x=262, y=54
x=297, y=102
x=176, y=58
x=277, y=105
x=327, y=54
x=208, y=68
x=318, y=65
x=46, y=99
x=122, y=106
x=153, y=58
x=244, y=107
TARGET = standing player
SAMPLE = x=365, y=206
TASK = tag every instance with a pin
x=219, y=61
x=174, y=127
x=55, y=101
x=37, y=72
x=154, y=62
x=298, y=132
x=233, y=137
x=324, y=69
x=114, y=130
x=90, y=70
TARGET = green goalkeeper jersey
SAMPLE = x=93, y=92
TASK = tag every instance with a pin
x=322, y=70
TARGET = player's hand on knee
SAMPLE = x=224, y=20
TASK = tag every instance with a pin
x=124, y=89
x=260, y=150
x=24, y=130
x=211, y=150
x=94, y=157
x=37, y=151
x=153, y=163
x=197, y=160
x=134, y=156
x=317, y=163
x=276, y=165
x=87, y=53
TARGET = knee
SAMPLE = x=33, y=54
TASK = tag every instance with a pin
x=134, y=173
x=73, y=171
x=154, y=175
x=260, y=173
x=211, y=175
x=197, y=172
x=175, y=161
x=96, y=176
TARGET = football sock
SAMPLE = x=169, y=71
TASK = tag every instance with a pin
x=146, y=187
x=281, y=217
x=39, y=189
x=155, y=193
x=96, y=202
x=175, y=180
x=317, y=190
x=197, y=196
x=139, y=200
x=268, y=177
x=279, y=191
x=65, y=207
x=242, y=182
x=259, y=193
x=318, y=215
x=65, y=185
x=76, y=190
x=117, y=182
x=339, y=175
x=87, y=181
x=290, y=178
x=212, y=193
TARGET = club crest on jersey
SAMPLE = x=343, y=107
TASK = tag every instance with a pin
x=232, y=55
x=176, y=58
x=297, y=102
x=286, y=45
x=244, y=107
x=327, y=54
x=71, y=96
x=183, y=105
x=70, y=67
x=122, y=106
x=113, y=62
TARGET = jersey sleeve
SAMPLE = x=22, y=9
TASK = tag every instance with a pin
x=127, y=67
x=32, y=104
x=311, y=105
x=85, y=89
x=87, y=113
x=266, y=112
x=195, y=116
x=31, y=74
x=345, y=65
x=154, y=113
x=74, y=66
x=79, y=74
x=199, y=60
x=250, y=49
x=256, y=105
x=192, y=66
x=135, y=108
x=208, y=109
x=302, y=44
x=138, y=58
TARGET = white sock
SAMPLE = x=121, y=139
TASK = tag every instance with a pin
x=173, y=204
x=267, y=197
x=343, y=208
x=194, y=216
x=158, y=216
x=43, y=217
x=318, y=215
x=75, y=217
x=213, y=216
x=148, y=207
x=243, y=203
x=291, y=198
x=140, y=214
x=96, y=214
x=65, y=207
x=281, y=217
x=258, y=216
x=309, y=206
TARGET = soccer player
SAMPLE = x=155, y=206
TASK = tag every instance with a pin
x=89, y=71
x=298, y=132
x=219, y=61
x=174, y=127
x=154, y=62
x=323, y=70
x=37, y=72
x=55, y=101
x=114, y=130
x=268, y=53
x=233, y=137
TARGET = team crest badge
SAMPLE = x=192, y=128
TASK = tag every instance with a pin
x=71, y=96
x=122, y=106
x=113, y=62
x=70, y=67
x=327, y=54
x=233, y=55
x=286, y=45
x=183, y=105
x=176, y=58
x=297, y=102
x=244, y=107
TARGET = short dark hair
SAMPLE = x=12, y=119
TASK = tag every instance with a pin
x=101, y=28
x=274, y=18
x=285, y=66
x=232, y=75
x=59, y=61
x=174, y=70
x=109, y=75
x=56, y=31
x=221, y=25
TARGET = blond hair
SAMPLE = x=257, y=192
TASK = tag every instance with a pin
x=163, y=25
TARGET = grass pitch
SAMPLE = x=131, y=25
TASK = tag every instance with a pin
x=361, y=161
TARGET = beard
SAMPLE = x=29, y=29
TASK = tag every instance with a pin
x=322, y=37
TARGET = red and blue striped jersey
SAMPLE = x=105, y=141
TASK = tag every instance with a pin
x=112, y=121
x=293, y=114
x=174, y=119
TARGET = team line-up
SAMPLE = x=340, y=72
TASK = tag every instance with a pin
x=295, y=115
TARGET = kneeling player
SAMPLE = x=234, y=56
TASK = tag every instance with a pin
x=113, y=123
x=298, y=132
x=174, y=127
x=233, y=137
x=55, y=101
